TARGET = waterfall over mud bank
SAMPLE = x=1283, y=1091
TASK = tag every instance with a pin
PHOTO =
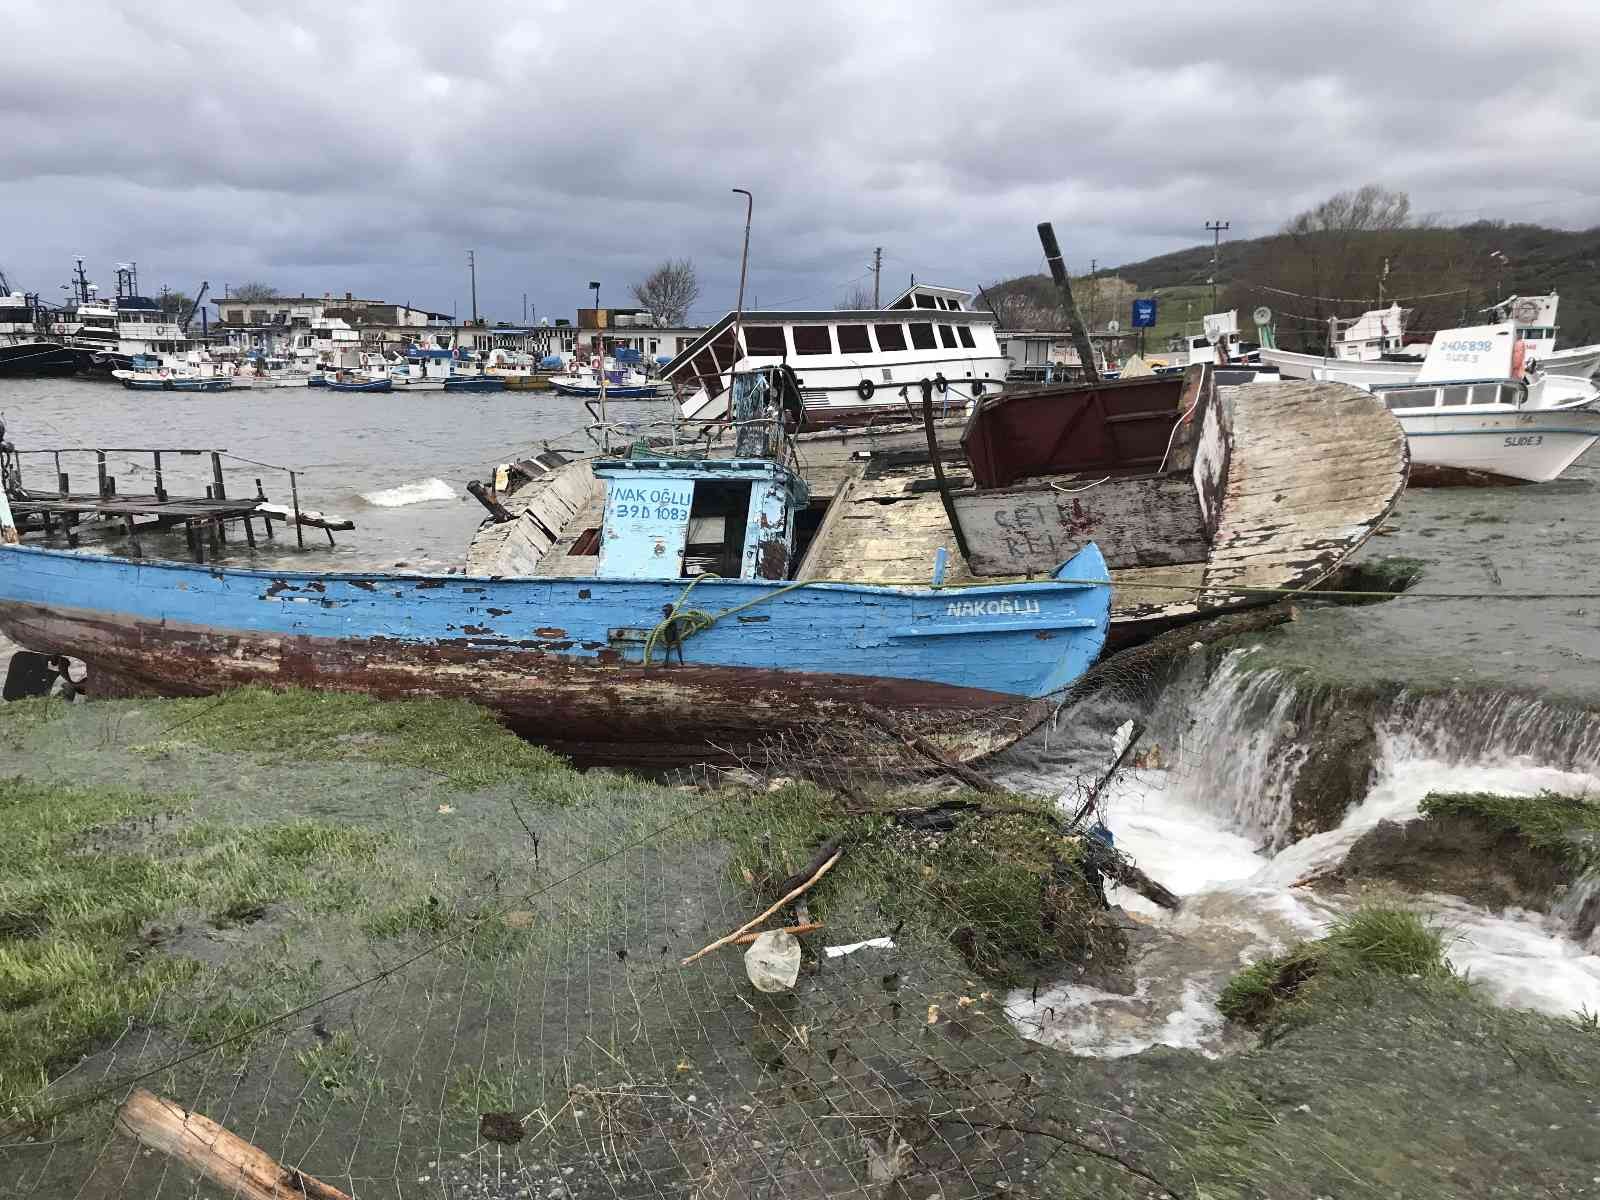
x=1248, y=790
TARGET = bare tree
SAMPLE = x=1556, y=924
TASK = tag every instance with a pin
x=1355, y=251
x=669, y=292
x=252, y=291
x=858, y=297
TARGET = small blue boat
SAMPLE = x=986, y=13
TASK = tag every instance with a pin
x=474, y=383
x=362, y=385
x=317, y=381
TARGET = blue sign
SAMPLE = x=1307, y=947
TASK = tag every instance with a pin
x=1144, y=314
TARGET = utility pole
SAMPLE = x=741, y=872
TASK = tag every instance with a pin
x=1216, y=228
x=877, y=272
x=472, y=265
x=1094, y=292
x=524, y=308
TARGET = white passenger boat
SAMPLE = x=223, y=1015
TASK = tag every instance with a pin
x=1475, y=414
x=853, y=367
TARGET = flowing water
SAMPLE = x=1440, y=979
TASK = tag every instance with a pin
x=1204, y=824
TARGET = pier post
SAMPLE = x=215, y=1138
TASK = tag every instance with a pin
x=100, y=468
x=161, y=487
x=61, y=483
x=294, y=496
x=216, y=475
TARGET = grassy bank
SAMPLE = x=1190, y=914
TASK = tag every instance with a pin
x=349, y=930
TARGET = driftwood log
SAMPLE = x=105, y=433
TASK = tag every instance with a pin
x=202, y=1145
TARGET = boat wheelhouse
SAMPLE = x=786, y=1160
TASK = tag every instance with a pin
x=854, y=367
x=1535, y=320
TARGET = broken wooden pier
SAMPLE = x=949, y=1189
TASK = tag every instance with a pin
x=207, y=521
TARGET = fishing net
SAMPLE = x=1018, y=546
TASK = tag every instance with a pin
x=498, y=1005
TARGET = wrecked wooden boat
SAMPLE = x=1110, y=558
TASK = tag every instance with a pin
x=654, y=619
x=1200, y=498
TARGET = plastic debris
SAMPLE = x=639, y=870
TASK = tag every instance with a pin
x=773, y=961
x=877, y=943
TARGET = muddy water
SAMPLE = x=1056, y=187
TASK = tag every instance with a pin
x=396, y=464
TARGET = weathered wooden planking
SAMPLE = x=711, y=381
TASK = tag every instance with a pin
x=1318, y=467
x=1137, y=522
x=545, y=511
x=1313, y=470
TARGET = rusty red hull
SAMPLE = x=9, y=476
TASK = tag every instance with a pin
x=658, y=716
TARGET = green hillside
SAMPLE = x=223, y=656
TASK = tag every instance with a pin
x=1536, y=259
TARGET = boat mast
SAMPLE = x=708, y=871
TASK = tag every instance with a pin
x=1058, y=272
x=738, y=311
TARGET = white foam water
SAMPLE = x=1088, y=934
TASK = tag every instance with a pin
x=420, y=491
x=1186, y=828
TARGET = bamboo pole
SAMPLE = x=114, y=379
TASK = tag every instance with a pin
x=202, y=1145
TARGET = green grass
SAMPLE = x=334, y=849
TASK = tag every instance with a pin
x=88, y=883
x=460, y=742
x=1375, y=940
x=1564, y=828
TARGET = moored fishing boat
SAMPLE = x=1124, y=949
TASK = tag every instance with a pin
x=1474, y=414
x=474, y=383
x=619, y=384
x=351, y=384
x=664, y=624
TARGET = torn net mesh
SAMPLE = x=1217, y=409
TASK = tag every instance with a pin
x=534, y=1034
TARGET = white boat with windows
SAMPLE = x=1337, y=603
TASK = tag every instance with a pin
x=854, y=367
x=1474, y=414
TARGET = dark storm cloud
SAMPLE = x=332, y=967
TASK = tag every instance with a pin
x=364, y=147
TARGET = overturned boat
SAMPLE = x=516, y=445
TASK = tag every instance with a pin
x=654, y=617
x=1200, y=498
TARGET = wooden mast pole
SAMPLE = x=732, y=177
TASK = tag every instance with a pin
x=1058, y=272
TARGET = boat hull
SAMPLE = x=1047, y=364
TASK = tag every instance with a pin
x=618, y=392
x=377, y=385
x=1580, y=362
x=1530, y=446
x=36, y=358
x=1335, y=370
x=562, y=660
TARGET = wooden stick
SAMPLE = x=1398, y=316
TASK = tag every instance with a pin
x=226, y=1160
x=744, y=939
x=932, y=753
x=749, y=925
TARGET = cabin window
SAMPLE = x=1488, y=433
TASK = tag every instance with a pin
x=717, y=522
x=812, y=339
x=890, y=337
x=765, y=340
x=955, y=306
x=966, y=337
x=853, y=340
x=922, y=337
x=903, y=303
x=926, y=301
x=947, y=337
x=1456, y=395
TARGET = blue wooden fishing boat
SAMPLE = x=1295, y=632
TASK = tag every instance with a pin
x=359, y=385
x=474, y=383
x=673, y=629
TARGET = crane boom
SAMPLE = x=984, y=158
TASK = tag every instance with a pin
x=199, y=299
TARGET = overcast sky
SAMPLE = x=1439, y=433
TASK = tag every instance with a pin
x=365, y=147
